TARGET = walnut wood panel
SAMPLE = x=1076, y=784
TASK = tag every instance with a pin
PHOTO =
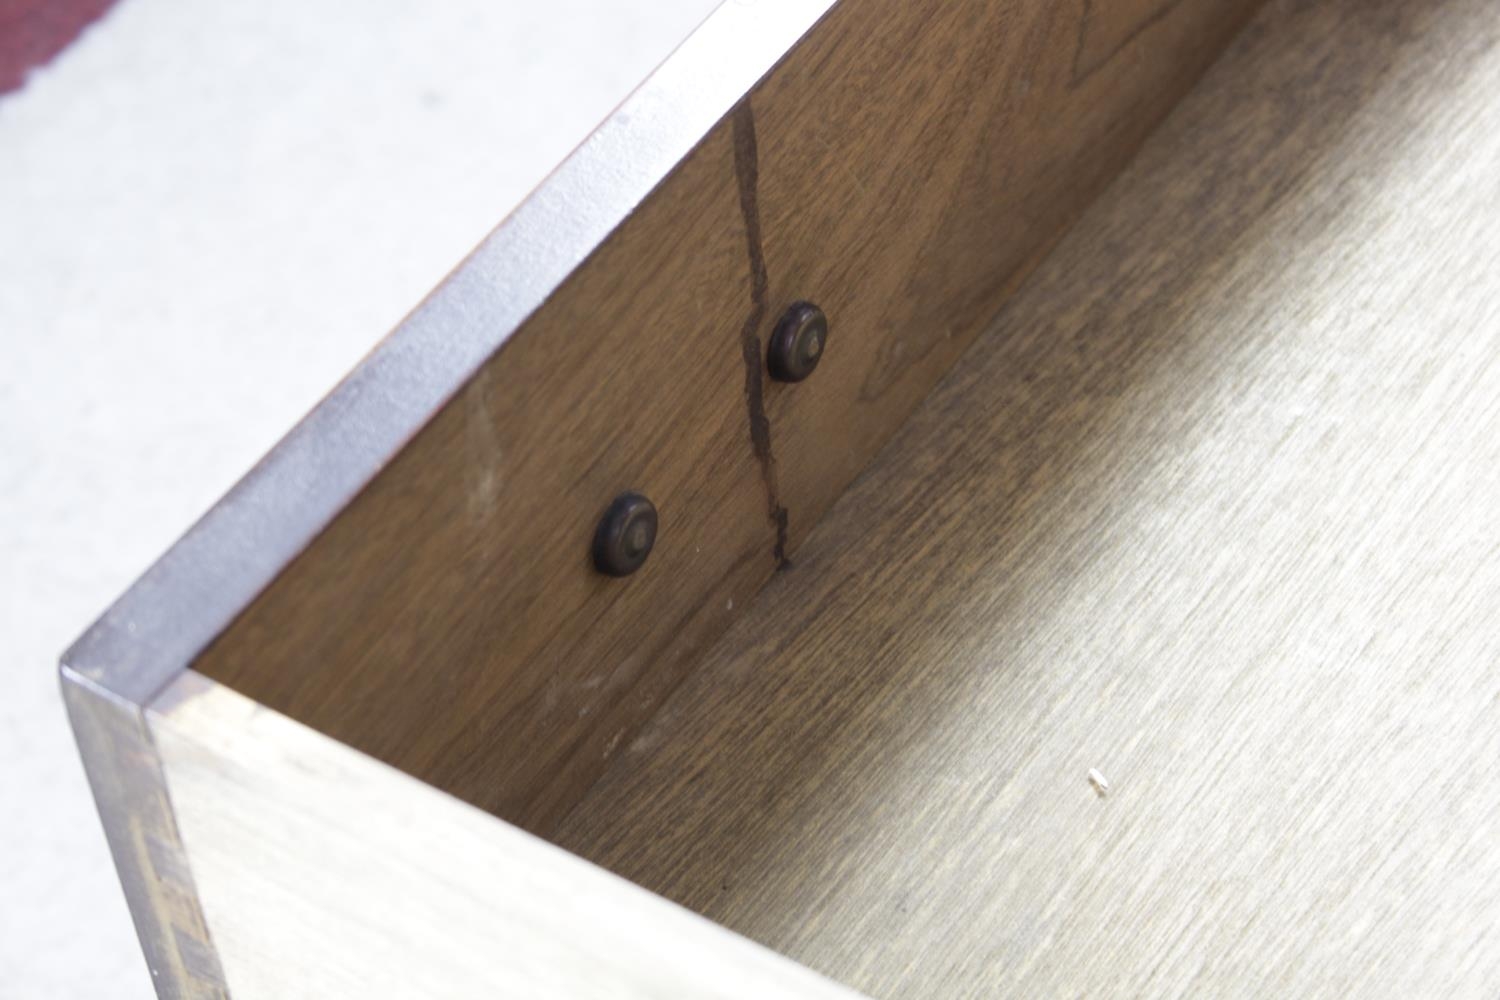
x=1211, y=510
x=903, y=166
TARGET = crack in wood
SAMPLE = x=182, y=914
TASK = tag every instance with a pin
x=747, y=173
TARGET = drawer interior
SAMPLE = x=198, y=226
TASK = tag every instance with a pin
x=1151, y=652
x=902, y=166
x=1199, y=512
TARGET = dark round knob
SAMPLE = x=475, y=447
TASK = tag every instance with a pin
x=798, y=342
x=625, y=536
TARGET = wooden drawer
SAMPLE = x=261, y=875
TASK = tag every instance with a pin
x=1111, y=611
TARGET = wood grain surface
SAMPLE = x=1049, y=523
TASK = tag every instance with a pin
x=329, y=876
x=1212, y=511
x=903, y=167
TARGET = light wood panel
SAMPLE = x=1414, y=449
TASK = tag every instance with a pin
x=1212, y=509
x=902, y=167
x=327, y=875
x=131, y=793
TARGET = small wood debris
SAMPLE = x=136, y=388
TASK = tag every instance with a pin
x=1099, y=781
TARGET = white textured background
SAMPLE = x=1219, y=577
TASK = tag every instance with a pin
x=208, y=212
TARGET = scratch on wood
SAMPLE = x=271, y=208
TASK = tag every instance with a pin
x=1081, y=71
x=747, y=173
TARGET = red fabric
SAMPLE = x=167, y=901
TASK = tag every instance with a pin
x=33, y=31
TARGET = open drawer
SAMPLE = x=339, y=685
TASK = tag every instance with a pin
x=1060, y=556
